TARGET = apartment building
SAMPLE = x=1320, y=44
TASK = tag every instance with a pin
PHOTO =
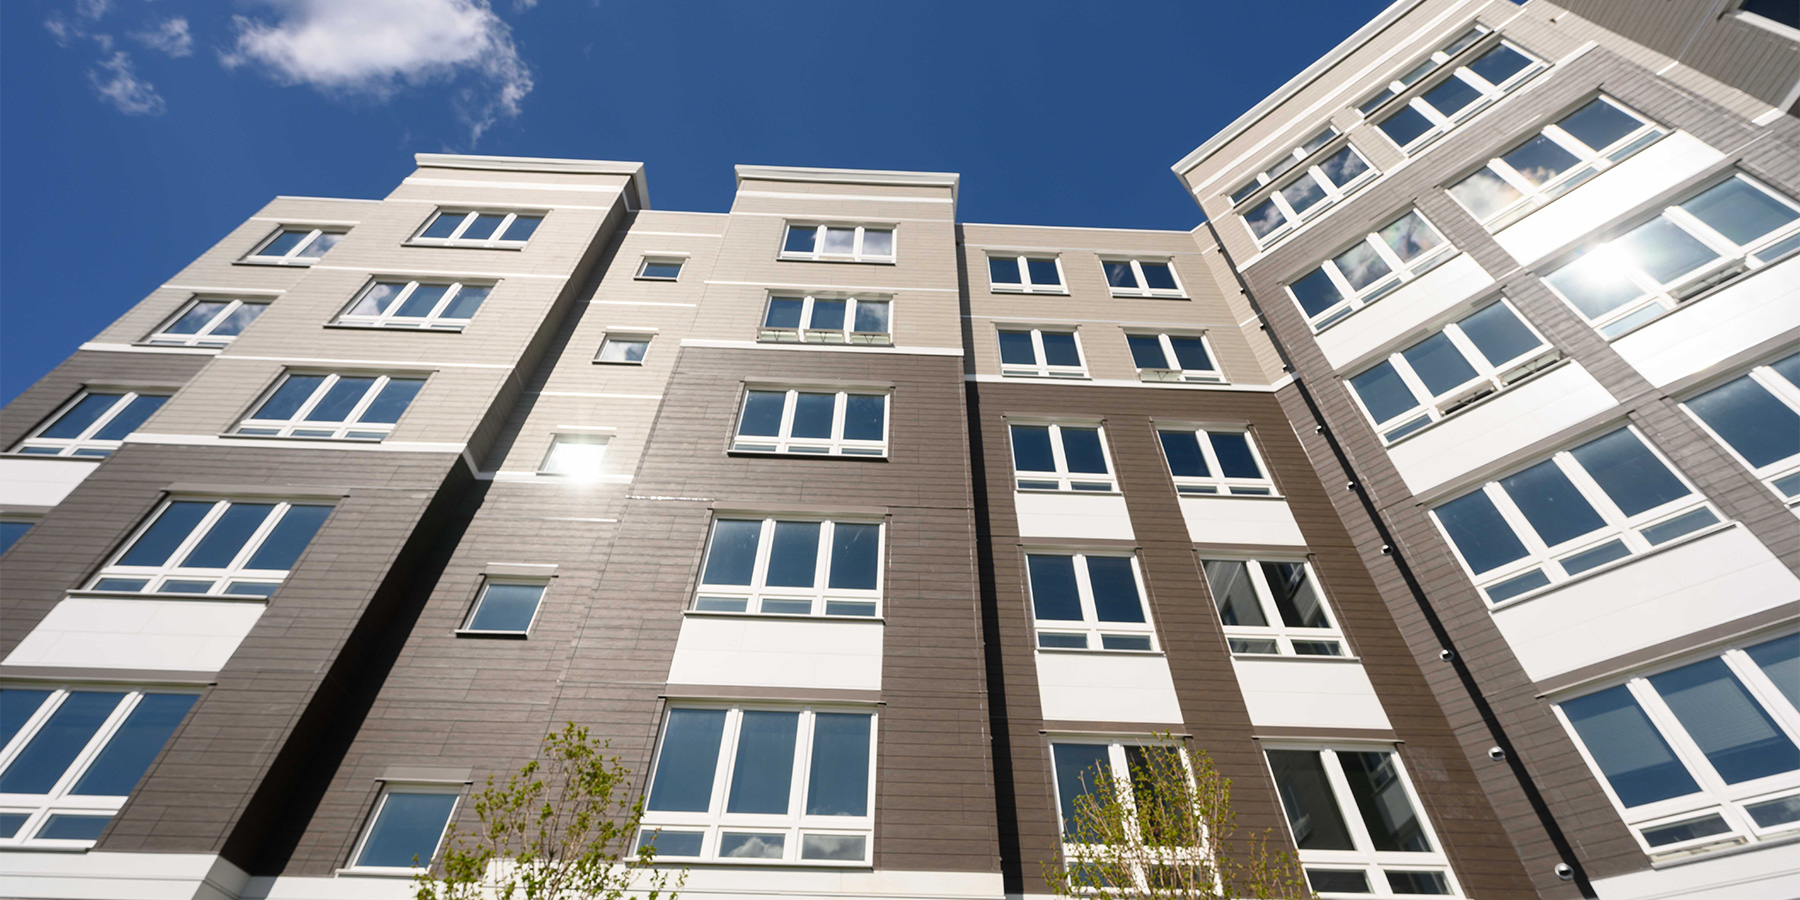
x=1441, y=487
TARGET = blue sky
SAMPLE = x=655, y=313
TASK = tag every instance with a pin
x=135, y=133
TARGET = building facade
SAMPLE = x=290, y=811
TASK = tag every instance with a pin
x=861, y=532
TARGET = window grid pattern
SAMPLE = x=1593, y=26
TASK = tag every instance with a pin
x=1281, y=166
x=208, y=322
x=1061, y=457
x=1368, y=270
x=198, y=546
x=473, y=228
x=828, y=320
x=1026, y=274
x=1141, y=278
x=414, y=304
x=1272, y=607
x=1324, y=183
x=1089, y=601
x=1358, y=823
x=795, y=420
x=91, y=425
x=1757, y=416
x=1213, y=461
x=1457, y=97
x=793, y=567
x=298, y=246
x=850, y=243
x=1431, y=63
x=1165, y=356
x=352, y=407
x=1594, y=138
x=1041, y=352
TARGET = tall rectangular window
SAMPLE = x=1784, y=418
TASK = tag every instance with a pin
x=331, y=405
x=1089, y=601
x=406, y=828
x=1604, y=501
x=828, y=320
x=1272, y=607
x=1702, y=755
x=1321, y=184
x=91, y=425
x=1366, y=271
x=295, y=246
x=845, y=243
x=1028, y=274
x=780, y=784
x=1060, y=457
x=480, y=228
x=415, y=304
x=69, y=757
x=1043, y=352
x=1163, y=356
x=1359, y=826
x=208, y=322
x=1558, y=159
x=1731, y=228
x=194, y=546
x=796, y=420
x=1757, y=415
x=1215, y=461
x=1141, y=278
x=1457, y=96
x=795, y=567
x=1474, y=357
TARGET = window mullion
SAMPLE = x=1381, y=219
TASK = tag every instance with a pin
x=806, y=311
x=312, y=399
x=96, y=742
x=1213, y=472
x=1422, y=394
x=728, y=747
x=759, y=572
x=796, y=811
x=254, y=543
x=1084, y=589
x=111, y=413
x=1503, y=503
x=500, y=232
x=1168, y=351
x=1348, y=811
x=468, y=219
x=193, y=539
x=1683, y=745
x=790, y=400
x=1056, y=454
x=437, y=309
x=28, y=731
x=363, y=403
x=1590, y=489
x=822, y=565
x=1766, y=692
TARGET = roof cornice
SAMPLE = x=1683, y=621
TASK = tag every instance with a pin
x=632, y=170
x=850, y=176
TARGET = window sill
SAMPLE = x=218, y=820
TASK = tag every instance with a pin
x=141, y=595
x=46, y=848
x=835, y=259
x=1096, y=651
x=1059, y=492
x=301, y=439
x=1007, y=290
x=1224, y=496
x=1139, y=295
x=654, y=278
x=14, y=454
x=802, y=617
x=756, y=864
x=280, y=264
x=617, y=362
x=497, y=635
x=370, y=872
x=354, y=326
x=1040, y=376
x=1284, y=657
x=1613, y=566
x=1481, y=402
x=182, y=348
x=784, y=454
x=1722, y=852
x=447, y=245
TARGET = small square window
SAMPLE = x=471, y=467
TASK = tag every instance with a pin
x=505, y=607
x=1043, y=352
x=576, y=456
x=1029, y=274
x=1173, y=357
x=655, y=268
x=407, y=827
x=295, y=246
x=624, y=349
x=1141, y=278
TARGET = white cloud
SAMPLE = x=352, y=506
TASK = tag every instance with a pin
x=170, y=37
x=92, y=9
x=118, y=84
x=376, y=47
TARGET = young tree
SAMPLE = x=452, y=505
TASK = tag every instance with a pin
x=1164, y=830
x=562, y=828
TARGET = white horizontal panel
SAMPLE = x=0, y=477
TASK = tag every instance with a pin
x=1713, y=328
x=41, y=482
x=734, y=882
x=1408, y=307
x=1047, y=515
x=61, y=875
x=1768, y=873
x=754, y=651
x=1107, y=687
x=111, y=633
x=1308, y=693
x=1240, y=520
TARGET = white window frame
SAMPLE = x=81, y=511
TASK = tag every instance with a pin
x=1373, y=863
x=1118, y=762
x=718, y=598
x=570, y=436
x=647, y=338
x=808, y=334
x=1659, y=298
x=1089, y=627
x=468, y=625
x=1143, y=289
x=1334, y=192
x=83, y=445
x=794, y=824
x=1039, y=368
x=59, y=800
x=1025, y=284
x=1283, y=164
x=1591, y=161
x=1277, y=631
x=435, y=320
x=347, y=429
x=468, y=218
x=1617, y=526
x=1714, y=795
x=836, y=445
x=1783, y=475
x=1066, y=481
x=856, y=255
x=1172, y=370
x=1424, y=67
x=1399, y=273
x=1491, y=93
x=368, y=828
x=1217, y=485
x=1489, y=379
x=237, y=572
x=204, y=337
x=295, y=256
x=660, y=259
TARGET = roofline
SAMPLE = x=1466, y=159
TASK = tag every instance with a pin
x=1294, y=85
x=850, y=176
x=633, y=170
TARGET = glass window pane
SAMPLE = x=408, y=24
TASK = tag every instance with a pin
x=324, y=242
x=1146, y=351
x=443, y=225
x=626, y=350
x=1477, y=529
x=522, y=228
x=871, y=316
x=10, y=823
x=1077, y=768
x=422, y=300
x=655, y=268
x=1115, y=589
x=17, y=706
x=284, y=242
x=467, y=300
x=1499, y=64
x=1043, y=272
x=839, y=240
x=793, y=554
x=1316, y=293
x=1182, y=449
x=800, y=238
x=1296, y=597
x=687, y=761
x=1631, y=753
x=377, y=298
x=1383, y=392
x=1190, y=353
x=827, y=315
x=197, y=316
x=1081, y=447
x=1551, y=503
x=1003, y=269
x=407, y=830
x=1312, y=811
x=128, y=419
x=166, y=533
x=1233, y=593
x=751, y=846
x=1663, y=250
x=483, y=227
x=82, y=416
x=289, y=538
x=1302, y=193
x=1628, y=472
x=134, y=746
x=1159, y=276
x=1499, y=334
x=393, y=400
x=1780, y=660
x=1738, y=737
x=1016, y=349
x=763, y=773
x=762, y=413
x=1485, y=194
x=1059, y=349
x=1451, y=97
x=340, y=399
x=838, y=784
x=10, y=532
x=64, y=827
x=1031, y=449
x=1380, y=794
x=1430, y=883
x=1541, y=159
x=1343, y=167
x=864, y=417
x=732, y=557
x=228, y=535
x=1119, y=274
x=1410, y=236
x=1594, y=284
x=1739, y=211
x=878, y=242
x=507, y=607
x=1361, y=265
x=813, y=414
x=239, y=319
x=1405, y=125
x=1235, y=459
x=55, y=745
x=1265, y=218
x=1053, y=593
x=855, y=556
x=1758, y=426
x=1438, y=363
x=1599, y=124
x=784, y=312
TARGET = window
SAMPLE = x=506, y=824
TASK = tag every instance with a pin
x=1401, y=251
x=295, y=246
x=828, y=320
x=836, y=423
x=858, y=243
x=1215, y=461
x=1471, y=358
x=1031, y=274
x=1756, y=416
x=1141, y=278
x=505, y=607
x=1358, y=824
x=1088, y=601
x=1606, y=500
x=1311, y=192
x=1272, y=607
x=1046, y=353
x=357, y=407
x=1455, y=98
x=1128, y=767
x=1701, y=755
x=794, y=567
x=479, y=229
x=576, y=456
x=208, y=322
x=1563, y=156
x=69, y=757
x=92, y=425
x=413, y=304
x=623, y=349
x=1430, y=64
x=1280, y=167
x=1058, y=457
x=1173, y=357
x=793, y=785
x=658, y=268
x=13, y=529
x=406, y=828
x=1733, y=227
x=1779, y=12
x=234, y=547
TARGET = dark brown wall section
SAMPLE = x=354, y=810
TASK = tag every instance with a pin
x=166, y=371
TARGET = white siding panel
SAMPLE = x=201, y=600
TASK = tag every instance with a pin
x=1390, y=318
x=108, y=633
x=1107, y=687
x=756, y=651
x=41, y=482
x=1309, y=693
x=1044, y=515
x=1240, y=520
x=1712, y=329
